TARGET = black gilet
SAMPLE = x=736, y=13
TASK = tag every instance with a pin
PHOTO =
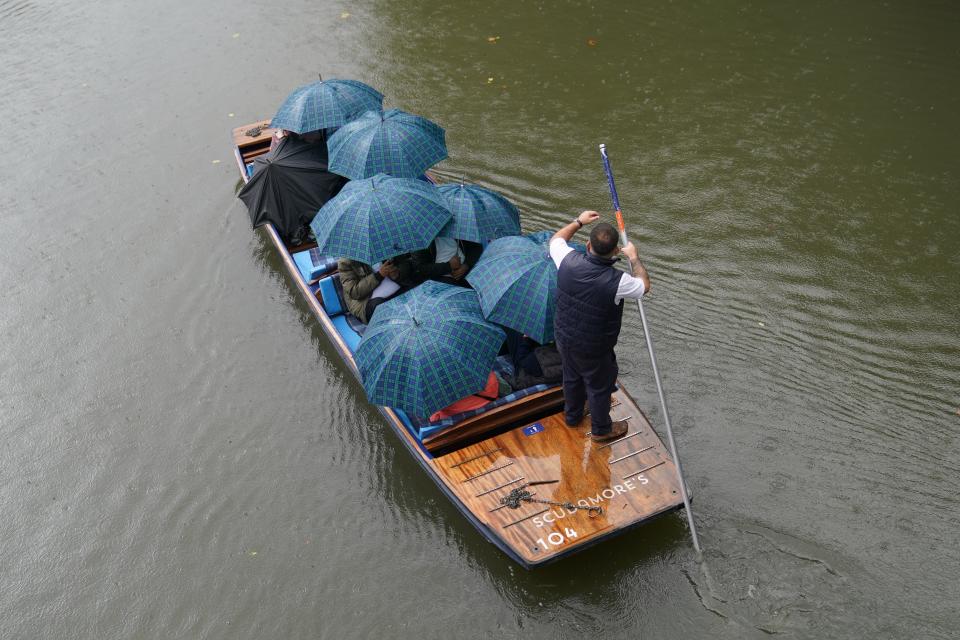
x=586, y=318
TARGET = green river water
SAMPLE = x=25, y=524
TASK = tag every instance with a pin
x=184, y=456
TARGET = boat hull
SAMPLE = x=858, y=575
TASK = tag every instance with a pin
x=578, y=493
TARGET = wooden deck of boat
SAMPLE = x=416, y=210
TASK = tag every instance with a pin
x=632, y=478
x=251, y=140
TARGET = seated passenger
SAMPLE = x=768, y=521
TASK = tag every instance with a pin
x=494, y=389
x=533, y=363
x=406, y=271
x=315, y=137
x=279, y=135
x=312, y=137
x=364, y=289
x=446, y=260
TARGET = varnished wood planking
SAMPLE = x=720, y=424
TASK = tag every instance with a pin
x=250, y=147
x=481, y=474
x=242, y=140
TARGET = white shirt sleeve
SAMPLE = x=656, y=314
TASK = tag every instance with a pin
x=446, y=249
x=559, y=250
x=629, y=287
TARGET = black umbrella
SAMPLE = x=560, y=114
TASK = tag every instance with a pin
x=288, y=187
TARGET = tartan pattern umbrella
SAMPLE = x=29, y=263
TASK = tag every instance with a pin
x=479, y=215
x=543, y=237
x=540, y=237
x=378, y=218
x=394, y=142
x=325, y=104
x=427, y=348
x=517, y=283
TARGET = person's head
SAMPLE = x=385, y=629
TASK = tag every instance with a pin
x=603, y=240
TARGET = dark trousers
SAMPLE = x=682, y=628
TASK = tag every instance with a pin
x=589, y=377
x=371, y=306
x=373, y=303
x=521, y=353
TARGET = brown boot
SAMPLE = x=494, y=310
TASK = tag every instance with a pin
x=617, y=430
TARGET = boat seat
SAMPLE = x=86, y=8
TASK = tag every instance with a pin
x=312, y=264
x=347, y=325
x=426, y=428
x=351, y=337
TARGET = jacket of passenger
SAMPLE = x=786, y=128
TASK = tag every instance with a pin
x=358, y=281
x=550, y=364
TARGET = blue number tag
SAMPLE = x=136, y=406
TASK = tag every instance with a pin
x=535, y=428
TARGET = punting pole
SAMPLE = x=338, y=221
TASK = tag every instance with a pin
x=653, y=358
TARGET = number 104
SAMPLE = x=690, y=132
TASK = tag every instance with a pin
x=556, y=538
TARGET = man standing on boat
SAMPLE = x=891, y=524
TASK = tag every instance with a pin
x=590, y=294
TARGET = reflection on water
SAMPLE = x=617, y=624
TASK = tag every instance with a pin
x=186, y=457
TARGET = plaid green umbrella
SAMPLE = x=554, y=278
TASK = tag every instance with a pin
x=427, y=348
x=378, y=218
x=517, y=283
x=543, y=237
x=325, y=104
x=479, y=215
x=393, y=142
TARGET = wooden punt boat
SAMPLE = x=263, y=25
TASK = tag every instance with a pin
x=517, y=444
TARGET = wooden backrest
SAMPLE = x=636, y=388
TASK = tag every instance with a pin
x=496, y=420
x=251, y=146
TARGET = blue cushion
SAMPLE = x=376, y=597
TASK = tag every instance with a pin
x=312, y=265
x=351, y=337
x=355, y=323
x=328, y=294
